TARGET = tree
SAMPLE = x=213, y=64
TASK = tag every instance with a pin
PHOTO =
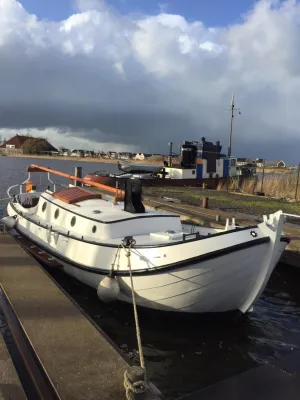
x=36, y=145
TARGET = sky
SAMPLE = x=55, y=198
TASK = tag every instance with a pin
x=133, y=75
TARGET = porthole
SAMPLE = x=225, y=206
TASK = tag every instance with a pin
x=73, y=221
x=94, y=229
x=44, y=206
x=56, y=214
x=96, y=212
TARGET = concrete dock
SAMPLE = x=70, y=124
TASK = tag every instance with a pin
x=10, y=385
x=78, y=360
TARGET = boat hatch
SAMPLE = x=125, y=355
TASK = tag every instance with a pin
x=74, y=195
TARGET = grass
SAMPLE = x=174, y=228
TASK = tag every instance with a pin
x=254, y=205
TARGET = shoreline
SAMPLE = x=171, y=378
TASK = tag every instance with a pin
x=84, y=159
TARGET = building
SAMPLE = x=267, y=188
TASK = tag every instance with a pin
x=141, y=156
x=124, y=156
x=240, y=162
x=21, y=144
x=260, y=162
x=77, y=153
x=277, y=164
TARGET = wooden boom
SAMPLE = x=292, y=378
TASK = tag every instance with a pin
x=38, y=168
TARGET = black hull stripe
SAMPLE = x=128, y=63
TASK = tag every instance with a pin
x=149, y=246
x=157, y=270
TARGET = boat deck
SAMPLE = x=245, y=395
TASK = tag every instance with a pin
x=102, y=210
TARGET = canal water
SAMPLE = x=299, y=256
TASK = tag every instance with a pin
x=186, y=354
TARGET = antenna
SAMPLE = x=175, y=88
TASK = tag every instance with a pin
x=232, y=109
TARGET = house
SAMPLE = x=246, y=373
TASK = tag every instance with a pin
x=64, y=152
x=23, y=144
x=277, y=164
x=260, y=162
x=77, y=153
x=281, y=164
x=240, y=162
x=89, y=153
x=112, y=154
x=141, y=156
x=124, y=156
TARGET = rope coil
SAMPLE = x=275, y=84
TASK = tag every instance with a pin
x=138, y=387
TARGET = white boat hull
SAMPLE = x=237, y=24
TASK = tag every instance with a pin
x=209, y=286
x=220, y=284
x=226, y=271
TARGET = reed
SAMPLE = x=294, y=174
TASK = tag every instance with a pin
x=279, y=186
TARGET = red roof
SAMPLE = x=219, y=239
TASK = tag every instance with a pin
x=17, y=141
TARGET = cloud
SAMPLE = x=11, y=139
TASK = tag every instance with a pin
x=106, y=79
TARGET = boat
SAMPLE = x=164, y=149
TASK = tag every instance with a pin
x=139, y=168
x=118, y=179
x=174, y=266
x=199, y=164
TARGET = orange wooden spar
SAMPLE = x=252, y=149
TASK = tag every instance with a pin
x=38, y=168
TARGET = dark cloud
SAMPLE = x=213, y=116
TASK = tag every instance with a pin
x=111, y=79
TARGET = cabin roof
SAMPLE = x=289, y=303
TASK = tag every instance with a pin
x=101, y=210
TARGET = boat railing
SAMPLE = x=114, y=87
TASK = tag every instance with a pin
x=28, y=180
x=291, y=215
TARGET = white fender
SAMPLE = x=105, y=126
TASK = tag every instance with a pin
x=9, y=222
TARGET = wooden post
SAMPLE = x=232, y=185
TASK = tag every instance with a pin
x=78, y=174
x=262, y=178
x=297, y=184
x=205, y=202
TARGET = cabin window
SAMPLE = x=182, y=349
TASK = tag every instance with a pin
x=73, y=221
x=44, y=206
x=56, y=214
x=94, y=229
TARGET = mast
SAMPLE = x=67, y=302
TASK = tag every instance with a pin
x=232, y=109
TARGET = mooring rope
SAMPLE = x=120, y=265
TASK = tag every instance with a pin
x=111, y=272
x=133, y=388
x=140, y=386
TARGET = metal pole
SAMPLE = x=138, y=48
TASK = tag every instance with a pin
x=170, y=155
x=39, y=168
x=262, y=178
x=297, y=184
x=231, y=126
x=78, y=174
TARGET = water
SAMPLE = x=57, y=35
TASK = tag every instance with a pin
x=13, y=171
x=184, y=355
